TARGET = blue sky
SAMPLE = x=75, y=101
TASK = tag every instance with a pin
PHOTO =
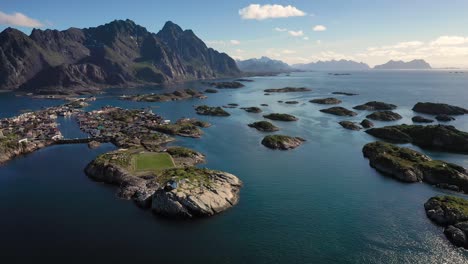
x=369, y=31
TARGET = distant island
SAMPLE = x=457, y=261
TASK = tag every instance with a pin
x=401, y=65
x=263, y=65
x=120, y=53
x=333, y=65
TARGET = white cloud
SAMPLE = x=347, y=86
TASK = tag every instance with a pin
x=298, y=33
x=18, y=19
x=286, y=51
x=331, y=55
x=306, y=38
x=449, y=41
x=281, y=29
x=261, y=12
x=222, y=43
x=320, y=28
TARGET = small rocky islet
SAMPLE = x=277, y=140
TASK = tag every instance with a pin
x=444, y=118
x=410, y=166
x=350, y=125
x=421, y=119
x=227, y=85
x=451, y=213
x=211, y=110
x=326, y=101
x=282, y=142
x=384, y=116
x=167, y=182
x=165, y=97
x=438, y=137
x=185, y=127
x=375, y=106
x=288, y=90
x=281, y=117
x=366, y=123
x=339, y=111
x=439, y=109
x=252, y=109
x=345, y=93
x=264, y=126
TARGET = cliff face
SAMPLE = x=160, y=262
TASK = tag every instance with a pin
x=115, y=54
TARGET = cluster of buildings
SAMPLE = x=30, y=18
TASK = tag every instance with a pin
x=34, y=126
x=112, y=122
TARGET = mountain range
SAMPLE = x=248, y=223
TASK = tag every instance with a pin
x=401, y=65
x=263, y=65
x=332, y=65
x=115, y=54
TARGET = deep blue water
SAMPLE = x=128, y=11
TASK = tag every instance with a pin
x=320, y=203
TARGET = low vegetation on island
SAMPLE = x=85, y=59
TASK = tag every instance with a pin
x=211, y=110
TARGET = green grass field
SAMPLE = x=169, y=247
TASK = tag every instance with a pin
x=152, y=162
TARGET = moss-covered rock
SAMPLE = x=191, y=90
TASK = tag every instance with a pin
x=439, y=109
x=264, y=126
x=288, y=90
x=439, y=137
x=350, y=125
x=385, y=116
x=211, y=110
x=452, y=213
x=164, y=97
x=444, y=118
x=339, y=111
x=375, y=106
x=420, y=119
x=281, y=117
x=326, y=101
x=366, y=123
x=408, y=165
x=282, y=142
x=252, y=109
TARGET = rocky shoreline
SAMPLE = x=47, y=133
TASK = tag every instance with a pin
x=183, y=191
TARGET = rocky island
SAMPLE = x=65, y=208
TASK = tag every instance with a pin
x=339, y=111
x=439, y=109
x=444, y=118
x=281, y=117
x=282, y=142
x=438, y=137
x=165, y=97
x=264, y=126
x=252, y=109
x=345, y=93
x=185, y=127
x=288, y=90
x=451, y=213
x=326, y=101
x=420, y=119
x=211, y=110
x=167, y=182
x=408, y=165
x=384, y=116
x=209, y=90
x=350, y=125
x=375, y=106
x=366, y=123
x=227, y=85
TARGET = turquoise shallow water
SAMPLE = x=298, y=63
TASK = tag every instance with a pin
x=320, y=203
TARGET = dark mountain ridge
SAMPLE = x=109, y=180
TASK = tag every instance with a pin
x=332, y=65
x=115, y=54
x=401, y=65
